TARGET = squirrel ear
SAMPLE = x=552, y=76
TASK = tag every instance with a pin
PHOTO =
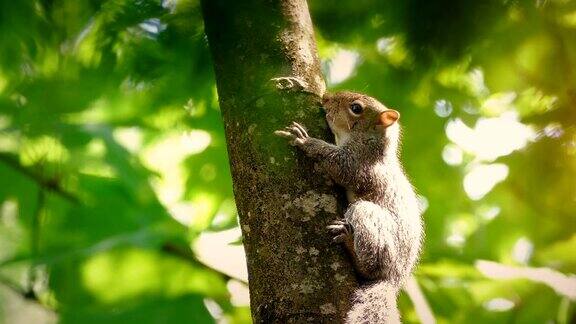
x=388, y=117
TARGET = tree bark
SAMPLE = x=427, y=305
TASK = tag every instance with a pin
x=295, y=273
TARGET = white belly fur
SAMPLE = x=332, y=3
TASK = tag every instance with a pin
x=342, y=137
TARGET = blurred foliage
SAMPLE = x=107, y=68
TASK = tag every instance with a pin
x=113, y=159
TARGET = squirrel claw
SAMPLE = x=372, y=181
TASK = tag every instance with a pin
x=295, y=133
x=340, y=238
x=300, y=129
x=342, y=229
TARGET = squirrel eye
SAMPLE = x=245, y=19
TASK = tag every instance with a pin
x=356, y=108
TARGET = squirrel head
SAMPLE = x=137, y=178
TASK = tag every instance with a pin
x=350, y=112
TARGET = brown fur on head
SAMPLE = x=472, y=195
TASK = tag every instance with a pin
x=349, y=111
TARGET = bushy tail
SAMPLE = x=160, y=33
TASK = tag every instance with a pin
x=374, y=304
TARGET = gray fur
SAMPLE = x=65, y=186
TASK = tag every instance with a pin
x=385, y=229
x=374, y=303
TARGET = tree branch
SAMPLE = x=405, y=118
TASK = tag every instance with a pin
x=46, y=184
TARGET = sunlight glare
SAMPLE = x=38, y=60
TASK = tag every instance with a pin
x=165, y=157
x=9, y=211
x=213, y=308
x=216, y=251
x=456, y=240
x=196, y=141
x=452, y=154
x=499, y=305
x=443, y=108
x=385, y=45
x=423, y=203
x=522, y=250
x=491, y=138
x=482, y=178
x=182, y=212
x=153, y=26
x=239, y=294
x=129, y=137
x=488, y=213
x=342, y=65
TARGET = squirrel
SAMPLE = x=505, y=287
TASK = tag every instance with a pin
x=382, y=226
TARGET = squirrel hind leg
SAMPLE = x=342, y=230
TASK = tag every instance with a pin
x=374, y=247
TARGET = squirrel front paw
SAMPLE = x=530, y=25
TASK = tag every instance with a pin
x=295, y=133
x=342, y=230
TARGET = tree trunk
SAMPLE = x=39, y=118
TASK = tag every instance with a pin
x=295, y=273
